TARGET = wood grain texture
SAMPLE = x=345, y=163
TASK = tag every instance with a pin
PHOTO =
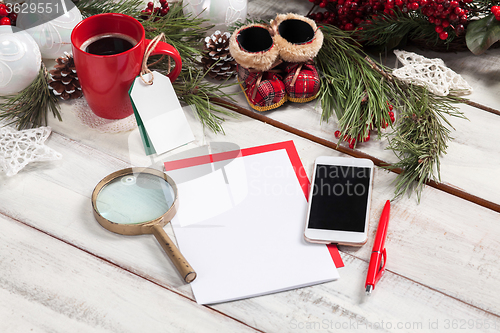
x=59, y=195
x=49, y=286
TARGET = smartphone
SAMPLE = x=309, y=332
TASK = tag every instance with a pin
x=339, y=201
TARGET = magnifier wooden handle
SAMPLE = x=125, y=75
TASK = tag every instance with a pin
x=187, y=272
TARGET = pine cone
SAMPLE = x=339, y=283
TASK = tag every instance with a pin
x=64, y=80
x=217, y=55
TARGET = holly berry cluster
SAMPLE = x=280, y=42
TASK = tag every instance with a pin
x=157, y=11
x=447, y=15
x=352, y=141
x=496, y=11
x=7, y=16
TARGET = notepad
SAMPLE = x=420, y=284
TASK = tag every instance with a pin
x=240, y=224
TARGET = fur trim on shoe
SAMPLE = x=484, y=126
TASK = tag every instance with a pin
x=297, y=37
x=252, y=46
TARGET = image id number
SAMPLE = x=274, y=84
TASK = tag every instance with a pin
x=38, y=8
x=462, y=324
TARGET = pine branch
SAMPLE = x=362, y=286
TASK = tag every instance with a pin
x=358, y=90
x=389, y=31
x=93, y=7
x=30, y=107
x=421, y=138
x=349, y=85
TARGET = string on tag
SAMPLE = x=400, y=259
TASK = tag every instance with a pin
x=149, y=49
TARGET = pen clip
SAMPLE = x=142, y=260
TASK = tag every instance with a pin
x=382, y=269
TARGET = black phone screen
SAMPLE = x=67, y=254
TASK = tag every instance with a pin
x=339, y=198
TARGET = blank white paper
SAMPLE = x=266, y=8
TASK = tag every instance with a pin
x=243, y=234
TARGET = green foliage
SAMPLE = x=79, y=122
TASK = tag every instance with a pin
x=482, y=33
x=393, y=31
x=349, y=86
x=93, y=7
x=30, y=107
x=421, y=136
x=358, y=90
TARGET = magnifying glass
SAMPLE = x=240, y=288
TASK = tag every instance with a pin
x=136, y=201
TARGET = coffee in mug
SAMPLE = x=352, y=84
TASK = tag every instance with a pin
x=108, y=44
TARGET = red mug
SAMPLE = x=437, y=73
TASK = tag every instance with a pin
x=106, y=79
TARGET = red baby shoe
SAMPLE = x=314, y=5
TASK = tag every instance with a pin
x=299, y=41
x=253, y=48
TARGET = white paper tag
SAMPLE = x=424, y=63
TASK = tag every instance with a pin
x=161, y=113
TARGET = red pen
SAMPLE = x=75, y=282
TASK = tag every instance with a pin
x=376, y=268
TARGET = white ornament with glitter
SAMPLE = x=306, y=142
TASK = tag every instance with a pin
x=53, y=35
x=431, y=73
x=20, y=60
x=18, y=148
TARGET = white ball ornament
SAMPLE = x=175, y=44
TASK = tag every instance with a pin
x=53, y=35
x=20, y=60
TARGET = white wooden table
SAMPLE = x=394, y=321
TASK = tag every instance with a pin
x=60, y=271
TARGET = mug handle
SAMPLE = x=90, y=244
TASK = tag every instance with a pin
x=169, y=50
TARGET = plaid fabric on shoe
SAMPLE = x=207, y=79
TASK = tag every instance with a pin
x=265, y=94
x=307, y=83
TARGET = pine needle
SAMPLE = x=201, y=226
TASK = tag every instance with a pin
x=421, y=138
x=359, y=90
x=30, y=107
x=93, y=7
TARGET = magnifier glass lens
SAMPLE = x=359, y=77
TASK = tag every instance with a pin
x=135, y=198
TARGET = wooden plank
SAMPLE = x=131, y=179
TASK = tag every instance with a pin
x=49, y=286
x=59, y=197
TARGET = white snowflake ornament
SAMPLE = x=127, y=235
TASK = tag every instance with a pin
x=18, y=148
x=431, y=73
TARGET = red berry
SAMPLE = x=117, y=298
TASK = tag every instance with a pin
x=349, y=26
x=352, y=143
x=439, y=29
x=163, y=2
x=337, y=134
x=5, y=21
x=151, y=5
x=445, y=24
x=164, y=11
x=367, y=138
x=3, y=11
x=391, y=114
x=443, y=35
